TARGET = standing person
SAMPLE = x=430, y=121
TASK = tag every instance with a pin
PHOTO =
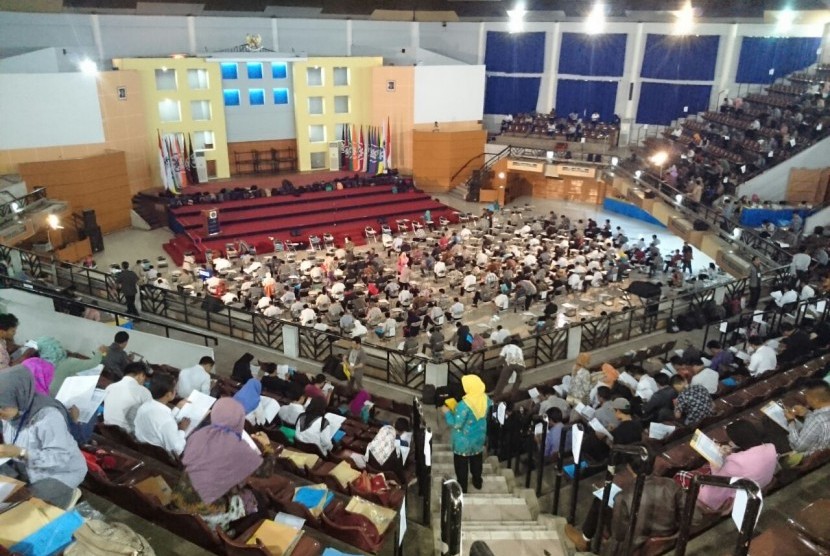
x=687, y=257
x=357, y=363
x=468, y=422
x=754, y=283
x=127, y=283
x=37, y=440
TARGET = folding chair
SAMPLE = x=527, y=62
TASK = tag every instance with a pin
x=370, y=234
x=313, y=243
x=328, y=240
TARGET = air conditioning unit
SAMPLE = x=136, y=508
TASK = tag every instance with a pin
x=334, y=156
x=201, y=167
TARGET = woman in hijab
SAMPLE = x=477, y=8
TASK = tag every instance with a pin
x=248, y=396
x=242, y=368
x=468, y=423
x=313, y=428
x=42, y=372
x=580, y=388
x=383, y=453
x=37, y=439
x=216, y=461
x=358, y=408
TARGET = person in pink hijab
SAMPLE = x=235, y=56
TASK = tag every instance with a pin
x=42, y=371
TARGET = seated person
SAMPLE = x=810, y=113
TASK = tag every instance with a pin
x=242, y=368
x=721, y=358
x=289, y=412
x=556, y=423
x=123, y=398
x=360, y=406
x=196, y=377
x=693, y=402
x=383, y=454
x=795, y=344
x=216, y=462
x=37, y=440
x=403, y=434
x=154, y=421
x=271, y=382
x=812, y=434
x=313, y=427
x=249, y=395
x=762, y=357
x=116, y=358
x=316, y=389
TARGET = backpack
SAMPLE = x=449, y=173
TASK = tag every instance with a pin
x=98, y=538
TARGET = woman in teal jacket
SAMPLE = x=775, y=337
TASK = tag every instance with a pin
x=468, y=423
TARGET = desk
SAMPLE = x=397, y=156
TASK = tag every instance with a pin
x=754, y=217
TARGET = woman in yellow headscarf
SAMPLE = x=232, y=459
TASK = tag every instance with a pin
x=468, y=423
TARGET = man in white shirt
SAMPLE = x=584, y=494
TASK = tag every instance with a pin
x=320, y=325
x=390, y=327
x=289, y=412
x=763, y=357
x=706, y=377
x=440, y=269
x=123, y=398
x=307, y=315
x=512, y=355
x=470, y=283
x=807, y=292
x=196, y=377
x=263, y=302
x=457, y=310
x=154, y=421
x=500, y=335
x=288, y=296
x=405, y=297
x=801, y=262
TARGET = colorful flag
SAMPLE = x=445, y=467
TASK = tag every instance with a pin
x=192, y=175
x=373, y=151
x=354, y=164
x=168, y=166
x=162, y=170
x=382, y=149
x=388, y=144
x=344, y=146
x=361, y=153
x=178, y=161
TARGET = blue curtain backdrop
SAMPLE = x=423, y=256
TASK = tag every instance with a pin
x=585, y=97
x=680, y=58
x=597, y=55
x=515, y=52
x=511, y=95
x=784, y=55
x=660, y=103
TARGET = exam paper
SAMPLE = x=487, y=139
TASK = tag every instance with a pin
x=196, y=409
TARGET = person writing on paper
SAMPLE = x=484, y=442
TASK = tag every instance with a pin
x=196, y=377
x=8, y=328
x=217, y=460
x=746, y=456
x=468, y=424
x=154, y=421
x=661, y=405
x=795, y=344
x=313, y=427
x=37, y=439
x=116, y=358
x=809, y=429
x=123, y=398
x=383, y=453
x=693, y=403
x=762, y=357
x=721, y=358
x=290, y=412
x=242, y=368
x=556, y=422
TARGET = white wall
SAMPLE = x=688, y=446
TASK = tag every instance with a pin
x=772, y=184
x=49, y=110
x=44, y=60
x=449, y=93
x=38, y=318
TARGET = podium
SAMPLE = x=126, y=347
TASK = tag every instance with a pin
x=211, y=219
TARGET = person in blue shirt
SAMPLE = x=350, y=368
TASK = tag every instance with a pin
x=468, y=424
x=554, y=437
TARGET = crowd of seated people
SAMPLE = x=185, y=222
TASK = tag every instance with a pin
x=571, y=128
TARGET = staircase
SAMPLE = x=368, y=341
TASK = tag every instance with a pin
x=145, y=207
x=459, y=192
x=501, y=514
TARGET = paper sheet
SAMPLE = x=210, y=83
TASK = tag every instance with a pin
x=428, y=447
x=776, y=413
x=537, y=430
x=723, y=327
x=291, y=520
x=585, y=411
x=250, y=442
x=628, y=380
x=6, y=490
x=707, y=448
x=402, y=524
x=576, y=441
x=501, y=411
x=87, y=408
x=739, y=506
x=336, y=422
x=615, y=490
x=196, y=409
x=601, y=430
x=659, y=431
x=533, y=393
x=264, y=412
x=78, y=388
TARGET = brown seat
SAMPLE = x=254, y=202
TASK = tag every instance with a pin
x=781, y=540
x=354, y=529
x=812, y=521
x=656, y=545
x=190, y=526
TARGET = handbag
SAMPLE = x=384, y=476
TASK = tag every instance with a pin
x=98, y=538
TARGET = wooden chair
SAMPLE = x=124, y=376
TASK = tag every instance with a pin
x=812, y=522
x=781, y=539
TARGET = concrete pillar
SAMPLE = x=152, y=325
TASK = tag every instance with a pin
x=574, y=341
x=547, y=90
x=291, y=341
x=825, y=45
x=275, y=35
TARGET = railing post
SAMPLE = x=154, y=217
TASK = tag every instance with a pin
x=560, y=470
x=452, y=503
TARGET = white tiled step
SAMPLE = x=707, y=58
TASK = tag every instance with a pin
x=524, y=543
x=508, y=526
x=447, y=467
x=495, y=508
x=490, y=484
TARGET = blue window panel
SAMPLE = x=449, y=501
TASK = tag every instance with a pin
x=280, y=96
x=586, y=97
x=515, y=52
x=256, y=97
x=660, y=103
x=680, y=58
x=229, y=70
x=231, y=97
x=279, y=71
x=511, y=95
x=254, y=70
x=759, y=55
x=598, y=55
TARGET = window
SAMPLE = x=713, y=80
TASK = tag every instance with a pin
x=341, y=105
x=165, y=79
x=256, y=97
x=279, y=71
x=229, y=70
x=317, y=133
x=341, y=77
x=231, y=97
x=254, y=70
x=203, y=140
x=169, y=111
x=197, y=79
x=280, y=96
x=314, y=76
x=339, y=130
x=318, y=161
x=200, y=110
x=315, y=106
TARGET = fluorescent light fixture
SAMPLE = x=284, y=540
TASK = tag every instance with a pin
x=786, y=17
x=516, y=18
x=685, y=19
x=614, y=161
x=659, y=158
x=678, y=199
x=88, y=67
x=16, y=207
x=638, y=173
x=595, y=22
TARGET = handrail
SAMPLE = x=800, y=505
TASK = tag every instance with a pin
x=480, y=548
x=19, y=204
x=753, y=508
x=423, y=471
x=60, y=295
x=452, y=505
x=540, y=452
x=493, y=159
x=576, y=479
x=647, y=458
x=560, y=469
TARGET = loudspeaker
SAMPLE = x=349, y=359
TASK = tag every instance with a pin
x=96, y=239
x=90, y=222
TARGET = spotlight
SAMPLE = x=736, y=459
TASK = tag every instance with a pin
x=659, y=158
x=638, y=173
x=502, y=175
x=685, y=19
x=88, y=67
x=516, y=18
x=614, y=161
x=595, y=23
x=16, y=207
x=53, y=222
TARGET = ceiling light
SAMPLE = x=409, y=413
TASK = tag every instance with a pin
x=53, y=221
x=638, y=173
x=786, y=17
x=659, y=158
x=88, y=67
x=16, y=207
x=614, y=161
x=595, y=23
x=685, y=19
x=516, y=18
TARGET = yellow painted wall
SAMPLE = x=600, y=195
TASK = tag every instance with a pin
x=183, y=94
x=397, y=105
x=359, y=91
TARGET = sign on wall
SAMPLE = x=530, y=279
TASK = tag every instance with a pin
x=526, y=166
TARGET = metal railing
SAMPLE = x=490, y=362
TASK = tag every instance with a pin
x=753, y=508
x=18, y=205
x=422, y=442
x=452, y=506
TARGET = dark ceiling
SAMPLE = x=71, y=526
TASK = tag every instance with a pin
x=543, y=10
